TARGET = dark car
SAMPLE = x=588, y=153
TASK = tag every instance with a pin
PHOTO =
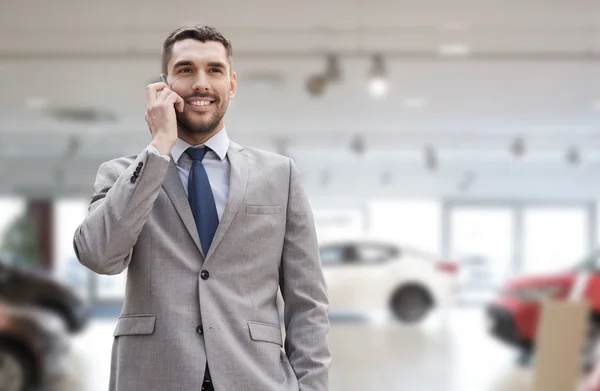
x=24, y=287
x=33, y=348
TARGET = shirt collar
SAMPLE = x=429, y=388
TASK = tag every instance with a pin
x=219, y=143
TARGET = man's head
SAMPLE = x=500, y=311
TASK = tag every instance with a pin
x=198, y=63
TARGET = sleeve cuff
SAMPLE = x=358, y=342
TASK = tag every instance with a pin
x=154, y=151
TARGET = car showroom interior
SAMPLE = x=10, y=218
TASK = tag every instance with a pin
x=449, y=152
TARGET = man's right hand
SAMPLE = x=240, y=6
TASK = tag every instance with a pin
x=161, y=103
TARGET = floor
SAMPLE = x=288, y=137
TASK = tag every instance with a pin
x=450, y=352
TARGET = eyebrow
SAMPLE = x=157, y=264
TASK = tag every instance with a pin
x=184, y=63
x=216, y=64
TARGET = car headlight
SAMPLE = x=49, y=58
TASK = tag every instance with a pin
x=539, y=293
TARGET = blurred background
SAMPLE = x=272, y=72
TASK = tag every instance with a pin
x=450, y=151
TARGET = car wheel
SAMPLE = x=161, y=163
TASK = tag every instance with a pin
x=411, y=304
x=16, y=369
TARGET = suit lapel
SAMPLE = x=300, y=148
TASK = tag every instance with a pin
x=174, y=189
x=238, y=179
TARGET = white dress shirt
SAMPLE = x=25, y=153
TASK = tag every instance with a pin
x=215, y=163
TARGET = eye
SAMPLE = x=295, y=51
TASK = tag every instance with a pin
x=184, y=70
x=218, y=70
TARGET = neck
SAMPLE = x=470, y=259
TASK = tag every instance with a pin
x=197, y=138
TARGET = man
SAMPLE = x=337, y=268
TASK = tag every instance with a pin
x=208, y=230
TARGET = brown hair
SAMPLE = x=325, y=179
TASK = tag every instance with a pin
x=198, y=32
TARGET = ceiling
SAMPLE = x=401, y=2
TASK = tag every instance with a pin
x=531, y=69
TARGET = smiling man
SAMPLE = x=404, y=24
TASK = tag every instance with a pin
x=208, y=231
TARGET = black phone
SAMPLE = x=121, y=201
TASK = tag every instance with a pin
x=163, y=78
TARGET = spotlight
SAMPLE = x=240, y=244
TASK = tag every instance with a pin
x=378, y=83
x=333, y=72
x=517, y=148
x=358, y=145
x=431, y=160
x=573, y=156
x=315, y=85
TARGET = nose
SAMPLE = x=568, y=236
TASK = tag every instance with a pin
x=201, y=82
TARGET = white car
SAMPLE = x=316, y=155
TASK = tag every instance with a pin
x=382, y=278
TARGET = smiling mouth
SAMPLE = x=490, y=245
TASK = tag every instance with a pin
x=200, y=104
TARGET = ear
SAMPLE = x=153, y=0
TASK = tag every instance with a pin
x=232, y=85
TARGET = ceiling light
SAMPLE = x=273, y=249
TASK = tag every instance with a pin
x=378, y=78
x=454, y=49
x=431, y=161
x=358, y=145
x=517, y=147
x=315, y=85
x=573, y=156
x=378, y=87
x=333, y=71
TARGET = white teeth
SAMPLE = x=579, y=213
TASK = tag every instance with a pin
x=200, y=103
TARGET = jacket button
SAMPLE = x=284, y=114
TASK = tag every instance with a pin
x=137, y=170
x=204, y=275
x=200, y=329
x=136, y=174
x=140, y=164
x=132, y=179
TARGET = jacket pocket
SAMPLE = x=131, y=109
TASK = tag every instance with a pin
x=262, y=209
x=266, y=332
x=135, y=325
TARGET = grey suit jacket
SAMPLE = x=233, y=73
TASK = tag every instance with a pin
x=266, y=239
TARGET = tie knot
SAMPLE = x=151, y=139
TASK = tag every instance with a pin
x=197, y=154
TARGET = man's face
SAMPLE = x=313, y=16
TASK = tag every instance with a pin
x=201, y=74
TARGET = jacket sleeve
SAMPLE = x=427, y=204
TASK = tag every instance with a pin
x=118, y=211
x=304, y=293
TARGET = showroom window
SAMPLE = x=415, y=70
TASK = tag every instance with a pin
x=10, y=209
x=333, y=224
x=555, y=238
x=415, y=223
x=69, y=213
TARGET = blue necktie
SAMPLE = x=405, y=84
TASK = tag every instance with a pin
x=201, y=199
x=203, y=206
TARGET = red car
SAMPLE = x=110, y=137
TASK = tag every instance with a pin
x=513, y=316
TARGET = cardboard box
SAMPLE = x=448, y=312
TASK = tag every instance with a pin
x=560, y=340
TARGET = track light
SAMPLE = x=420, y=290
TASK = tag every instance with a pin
x=378, y=80
x=333, y=72
x=573, y=156
x=358, y=145
x=431, y=160
x=517, y=147
x=315, y=85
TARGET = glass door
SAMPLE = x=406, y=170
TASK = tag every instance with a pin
x=555, y=238
x=482, y=238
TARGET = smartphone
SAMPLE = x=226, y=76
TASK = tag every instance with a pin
x=163, y=78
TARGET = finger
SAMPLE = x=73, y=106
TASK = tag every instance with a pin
x=176, y=100
x=152, y=91
x=163, y=94
x=179, y=102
